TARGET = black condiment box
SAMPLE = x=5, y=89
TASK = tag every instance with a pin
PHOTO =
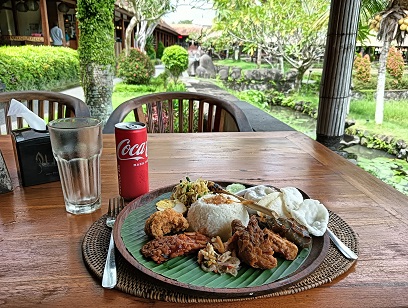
x=35, y=161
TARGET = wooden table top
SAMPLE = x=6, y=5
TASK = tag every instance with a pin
x=41, y=258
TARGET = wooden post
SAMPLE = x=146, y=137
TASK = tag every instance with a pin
x=44, y=23
x=123, y=30
x=337, y=71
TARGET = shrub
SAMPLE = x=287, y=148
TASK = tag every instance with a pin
x=136, y=68
x=175, y=59
x=150, y=48
x=38, y=67
x=395, y=64
x=362, y=67
x=160, y=49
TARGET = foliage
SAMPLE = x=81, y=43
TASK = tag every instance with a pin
x=136, y=68
x=175, y=87
x=244, y=65
x=96, y=42
x=370, y=85
x=150, y=48
x=37, y=67
x=255, y=97
x=392, y=172
x=175, y=60
x=124, y=92
x=289, y=29
x=362, y=67
x=395, y=64
x=160, y=49
x=146, y=16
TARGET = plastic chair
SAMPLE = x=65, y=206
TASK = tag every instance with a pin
x=181, y=112
x=47, y=105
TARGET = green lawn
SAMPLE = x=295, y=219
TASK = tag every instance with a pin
x=395, y=122
x=241, y=64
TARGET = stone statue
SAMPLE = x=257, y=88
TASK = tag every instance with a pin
x=206, y=68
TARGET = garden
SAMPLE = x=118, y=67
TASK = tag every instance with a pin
x=43, y=67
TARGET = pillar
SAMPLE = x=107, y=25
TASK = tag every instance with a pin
x=337, y=71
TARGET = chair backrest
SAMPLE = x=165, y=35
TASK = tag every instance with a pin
x=47, y=105
x=180, y=112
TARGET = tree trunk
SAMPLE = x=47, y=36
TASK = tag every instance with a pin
x=98, y=88
x=259, y=57
x=96, y=53
x=128, y=37
x=337, y=71
x=299, y=77
x=281, y=65
x=140, y=41
x=379, y=106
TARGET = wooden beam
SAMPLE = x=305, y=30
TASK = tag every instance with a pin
x=44, y=22
x=15, y=18
x=61, y=25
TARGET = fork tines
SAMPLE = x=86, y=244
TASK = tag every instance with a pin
x=115, y=205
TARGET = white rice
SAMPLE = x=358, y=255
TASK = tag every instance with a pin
x=215, y=219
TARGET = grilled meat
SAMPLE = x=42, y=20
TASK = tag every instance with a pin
x=167, y=247
x=287, y=228
x=252, y=244
x=282, y=246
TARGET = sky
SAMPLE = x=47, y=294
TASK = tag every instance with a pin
x=185, y=12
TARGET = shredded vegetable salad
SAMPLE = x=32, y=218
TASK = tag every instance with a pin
x=188, y=192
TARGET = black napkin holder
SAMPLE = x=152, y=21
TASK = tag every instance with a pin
x=35, y=161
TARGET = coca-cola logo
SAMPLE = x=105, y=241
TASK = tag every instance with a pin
x=127, y=151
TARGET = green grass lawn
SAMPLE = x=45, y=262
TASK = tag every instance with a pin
x=241, y=64
x=362, y=111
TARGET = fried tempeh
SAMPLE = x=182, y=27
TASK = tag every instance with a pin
x=167, y=247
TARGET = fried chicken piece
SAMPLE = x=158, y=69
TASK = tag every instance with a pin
x=170, y=246
x=282, y=246
x=252, y=245
x=164, y=222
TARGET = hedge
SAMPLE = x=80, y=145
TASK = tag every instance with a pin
x=38, y=67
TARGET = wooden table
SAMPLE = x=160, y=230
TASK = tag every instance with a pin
x=41, y=260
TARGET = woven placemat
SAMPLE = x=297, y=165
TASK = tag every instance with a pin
x=130, y=280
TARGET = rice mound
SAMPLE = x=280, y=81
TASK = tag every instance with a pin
x=212, y=215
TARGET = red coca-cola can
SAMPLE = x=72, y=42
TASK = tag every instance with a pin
x=131, y=153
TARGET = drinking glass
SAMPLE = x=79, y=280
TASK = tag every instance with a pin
x=77, y=146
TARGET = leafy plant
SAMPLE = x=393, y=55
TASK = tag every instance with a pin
x=392, y=172
x=175, y=87
x=136, y=68
x=395, y=64
x=175, y=59
x=38, y=67
x=160, y=49
x=362, y=68
x=255, y=97
x=150, y=48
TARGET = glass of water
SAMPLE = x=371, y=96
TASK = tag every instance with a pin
x=77, y=146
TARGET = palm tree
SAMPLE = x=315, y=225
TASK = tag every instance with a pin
x=387, y=24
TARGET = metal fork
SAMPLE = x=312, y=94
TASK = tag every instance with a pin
x=109, y=278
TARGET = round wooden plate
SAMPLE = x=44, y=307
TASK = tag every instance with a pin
x=313, y=259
